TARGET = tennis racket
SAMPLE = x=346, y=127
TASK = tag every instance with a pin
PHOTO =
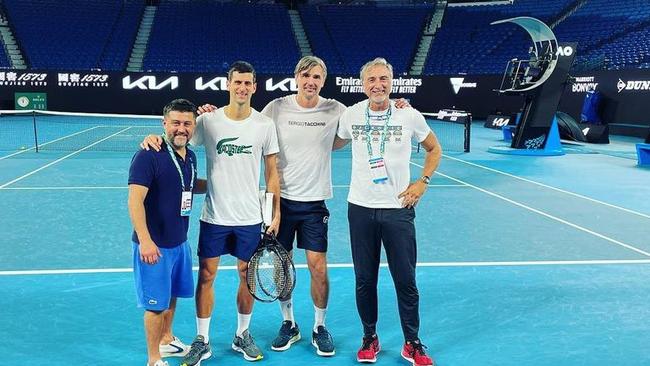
x=271, y=274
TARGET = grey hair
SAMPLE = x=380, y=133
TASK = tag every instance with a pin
x=308, y=62
x=378, y=61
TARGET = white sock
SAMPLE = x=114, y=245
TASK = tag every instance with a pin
x=286, y=307
x=319, y=317
x=203, y=328
x=243, y=321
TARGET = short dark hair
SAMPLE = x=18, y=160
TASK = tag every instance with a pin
x=180, y=105
x=241, y=67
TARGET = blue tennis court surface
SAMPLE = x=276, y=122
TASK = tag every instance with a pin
x=523, y=261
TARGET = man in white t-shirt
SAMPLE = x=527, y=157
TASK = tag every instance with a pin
x=306, y=124
x=381, y=204
x=236, y=139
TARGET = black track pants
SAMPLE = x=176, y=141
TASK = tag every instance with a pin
x=395, y=228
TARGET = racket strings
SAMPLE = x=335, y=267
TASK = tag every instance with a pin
x=271, y=273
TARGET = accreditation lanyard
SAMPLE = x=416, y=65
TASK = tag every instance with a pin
x=186, y=195
x=378, y=172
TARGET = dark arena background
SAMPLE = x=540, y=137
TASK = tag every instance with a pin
x=533, y=236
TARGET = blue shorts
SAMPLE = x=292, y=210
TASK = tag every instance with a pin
x=239, y=241
x=156, y=284
x=306, y=222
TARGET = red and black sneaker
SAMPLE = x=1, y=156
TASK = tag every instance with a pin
x=369, y=349
x=413, y=351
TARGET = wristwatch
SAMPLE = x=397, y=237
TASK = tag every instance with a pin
x=425, y=179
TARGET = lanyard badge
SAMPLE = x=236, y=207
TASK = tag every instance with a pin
x=378, y=172
x=186, y=194
x=186, y=203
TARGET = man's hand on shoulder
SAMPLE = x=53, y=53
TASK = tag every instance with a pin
x=402, y=103
x=151, y=142
x=206, y=108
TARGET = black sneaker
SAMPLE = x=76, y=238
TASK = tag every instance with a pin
x=199, y=351
x=323, y=342
x=287, y=335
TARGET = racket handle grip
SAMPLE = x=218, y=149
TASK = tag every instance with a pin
x=266, y=199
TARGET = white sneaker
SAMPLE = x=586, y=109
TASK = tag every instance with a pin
x=160, y=363
x=175, y=348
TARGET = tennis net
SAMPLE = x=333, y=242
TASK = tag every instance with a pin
x=65, y=131
x=453, y=129
x=68, y=131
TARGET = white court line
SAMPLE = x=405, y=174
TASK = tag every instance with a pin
x=49, y=142
x=350, y=265
x=575, y=226
x=549, y=187
x=59, y=188
x=126, y=187
x=60, y=159
x=10, y=112
x=430, y=185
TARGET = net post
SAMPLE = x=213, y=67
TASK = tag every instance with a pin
x=35, y=133
x=468, y=129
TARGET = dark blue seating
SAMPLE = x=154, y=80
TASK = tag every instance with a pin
x=607, y=30
x=320, y=39
x=208, y=37
x=118, y=49
x=347, y=36
x=4, y=59
x=73, y=34
x=616, y=32
x=466, y=43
